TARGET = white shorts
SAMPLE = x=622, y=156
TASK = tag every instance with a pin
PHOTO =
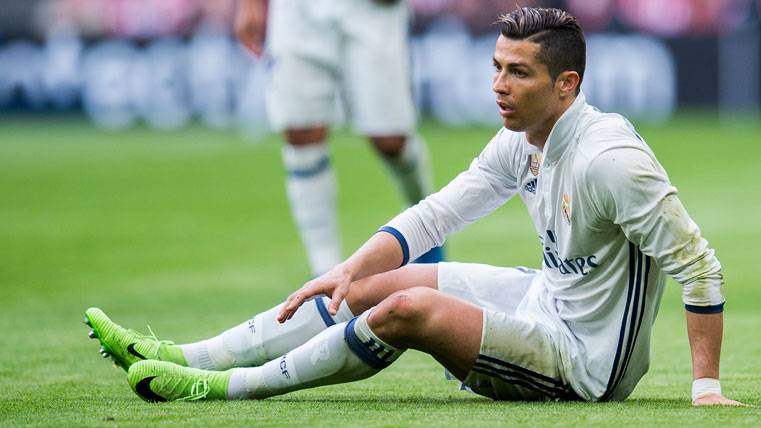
x=355, y=50
x=518, y=358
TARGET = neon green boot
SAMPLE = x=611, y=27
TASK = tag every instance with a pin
x=127, y=347
x=164, y=381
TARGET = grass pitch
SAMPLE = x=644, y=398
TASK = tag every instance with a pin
x=190, y=232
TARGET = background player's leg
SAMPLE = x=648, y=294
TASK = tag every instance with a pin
x=312, y=192
x=262, y=338
x=376, y=80
x=407, y=161
x=420, y=318
x=305, y=110
x=406, y=158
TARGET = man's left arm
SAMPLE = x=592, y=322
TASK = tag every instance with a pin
x=632, y=189
x=705, y=332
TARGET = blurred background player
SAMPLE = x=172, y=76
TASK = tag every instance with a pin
x=323, y=50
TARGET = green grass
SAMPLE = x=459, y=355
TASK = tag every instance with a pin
x=190, y=232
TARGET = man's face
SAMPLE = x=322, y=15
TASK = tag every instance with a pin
x=526, y=95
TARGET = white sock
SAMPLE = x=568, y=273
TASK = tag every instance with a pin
x=411, y=170
x=343, y=353
x=262, y=338
x=312, y=191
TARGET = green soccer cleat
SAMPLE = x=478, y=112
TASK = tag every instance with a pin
x=164, y=381
x=127, y=347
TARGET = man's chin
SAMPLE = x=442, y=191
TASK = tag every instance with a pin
x=511, y=125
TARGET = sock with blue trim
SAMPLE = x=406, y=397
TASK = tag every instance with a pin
x=262, y=338
x=342, y=353
x=312, y=192
x=411, y=170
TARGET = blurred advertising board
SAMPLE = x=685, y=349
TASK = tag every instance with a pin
x=169, y=62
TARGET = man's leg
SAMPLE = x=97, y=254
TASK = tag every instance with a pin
x=438, y=324
x=312, y=192
x=406, y=158
x=260, y=339
x=419, y=318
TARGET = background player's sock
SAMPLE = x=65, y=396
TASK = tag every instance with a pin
x=411, y=170
x=342, y=353
x=311, y=187
x=262, y=338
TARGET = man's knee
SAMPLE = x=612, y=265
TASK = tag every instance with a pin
x=402, y=313
x=389, y=146
x=304, y=136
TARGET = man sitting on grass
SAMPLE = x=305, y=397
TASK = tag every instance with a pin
x=610, y=226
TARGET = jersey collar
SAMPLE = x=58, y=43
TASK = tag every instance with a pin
x=563, y=131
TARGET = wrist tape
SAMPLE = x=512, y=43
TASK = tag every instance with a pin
x=705, y=386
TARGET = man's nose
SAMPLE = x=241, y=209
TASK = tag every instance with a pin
x=500, y=85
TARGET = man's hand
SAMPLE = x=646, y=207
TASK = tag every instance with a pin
x=381, y=253
x=715, y=400
x=251, y=23
x=335, y=284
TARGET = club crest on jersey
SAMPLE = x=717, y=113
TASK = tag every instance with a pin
x=566, y=208
x=535, y=162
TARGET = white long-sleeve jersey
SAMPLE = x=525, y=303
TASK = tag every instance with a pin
x=610, y=225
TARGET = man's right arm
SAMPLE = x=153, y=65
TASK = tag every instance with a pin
x=485, y=186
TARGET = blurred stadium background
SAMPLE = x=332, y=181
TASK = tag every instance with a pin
x=169, y=62
x=137, y=174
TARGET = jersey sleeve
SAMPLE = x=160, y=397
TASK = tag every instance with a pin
x=487, y=184
x=630, y=188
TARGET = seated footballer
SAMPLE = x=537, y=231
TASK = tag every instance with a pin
x=610, y=225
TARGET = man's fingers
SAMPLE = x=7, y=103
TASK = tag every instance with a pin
x=335, y=301
x=716, y=400
x=289, y=307
x=296, y=299
x=249, y=45
x=294, y=304
x=252, y=42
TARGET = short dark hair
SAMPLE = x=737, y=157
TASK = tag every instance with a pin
x=556, y=31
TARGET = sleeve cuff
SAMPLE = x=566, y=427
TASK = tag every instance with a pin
x=402, y=242
x=713, y=309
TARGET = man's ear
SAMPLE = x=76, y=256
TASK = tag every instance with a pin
x=568, y=82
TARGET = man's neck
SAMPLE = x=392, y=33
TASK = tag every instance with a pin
x=538, y=138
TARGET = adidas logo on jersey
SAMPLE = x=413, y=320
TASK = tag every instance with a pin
x=531, y=186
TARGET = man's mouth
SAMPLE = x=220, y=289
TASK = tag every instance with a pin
x=505, y=109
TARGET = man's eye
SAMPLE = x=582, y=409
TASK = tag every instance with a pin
x=519, y=73
x=497, y=67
